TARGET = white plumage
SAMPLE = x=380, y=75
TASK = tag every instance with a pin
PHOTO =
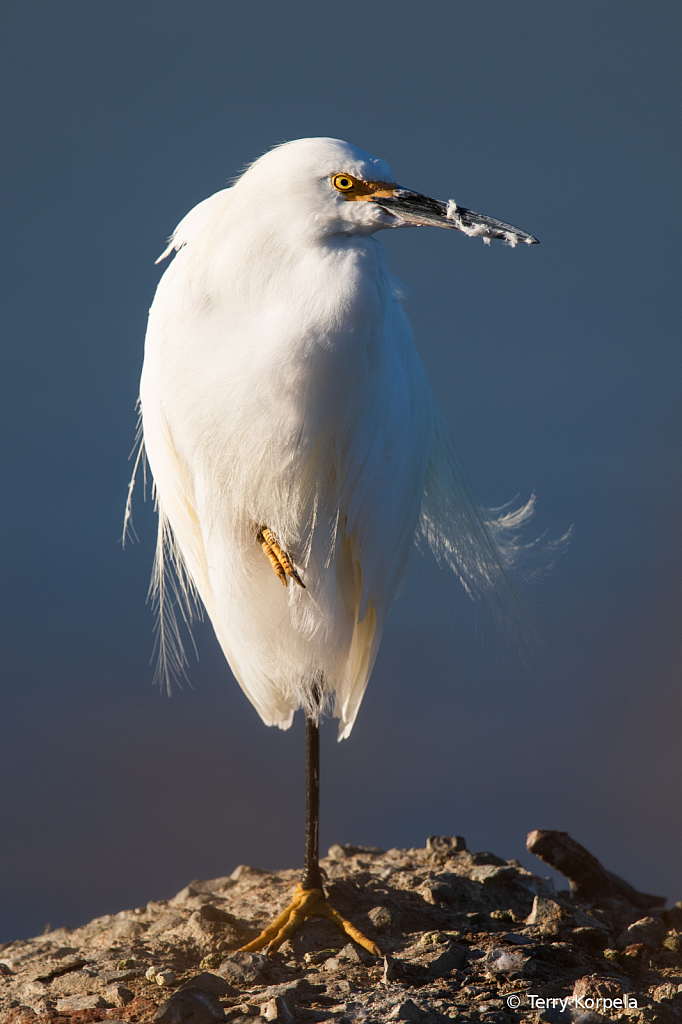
x=281, y=388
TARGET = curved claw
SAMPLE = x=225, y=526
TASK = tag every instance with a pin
x=279, y=559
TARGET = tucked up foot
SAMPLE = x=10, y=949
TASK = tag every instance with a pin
x=306, y=903
x=279, y=560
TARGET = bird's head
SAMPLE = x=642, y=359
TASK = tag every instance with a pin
x=326, y=187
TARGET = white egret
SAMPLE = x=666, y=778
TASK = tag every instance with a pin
x=289, y=426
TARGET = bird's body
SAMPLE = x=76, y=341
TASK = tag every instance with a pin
x=282, y=390
x=297, y=401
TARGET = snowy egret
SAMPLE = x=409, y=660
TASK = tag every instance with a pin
x=292, y=435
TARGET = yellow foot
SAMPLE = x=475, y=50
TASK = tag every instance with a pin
x=306, y=903
x=279, y=560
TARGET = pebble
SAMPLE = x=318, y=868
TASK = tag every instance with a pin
x=73, y=1004
x=649, y=930
x=165, y=977
x=118, y=995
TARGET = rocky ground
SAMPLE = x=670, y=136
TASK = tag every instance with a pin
x=466, y=936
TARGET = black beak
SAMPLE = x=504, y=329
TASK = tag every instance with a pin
x=414, y=208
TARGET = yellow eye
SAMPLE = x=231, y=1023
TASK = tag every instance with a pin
x=343, y=182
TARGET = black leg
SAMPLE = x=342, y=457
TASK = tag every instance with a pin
x=312, y=878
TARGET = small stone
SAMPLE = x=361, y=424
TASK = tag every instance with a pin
x=211, y=961
x=673, y=942
x=649, y=930
x=209, y=982
x=118, y=995
x=112, y=977
x=349, y=952
x=190, y=1004
x=504, y=961
x=49, y=970
x=166, y=977
x=592, y=986
x=502, y=915
x=338, y=852
x=72, y=1004
x=494, y=874
x=445, y=845
x=546, y=915
x=666, y=991
x=164, y=924
x=408, y=1010
x=150, y=974
x=279, y=1008
x=240, y=968
x=516, y=939
x=452, y=959
x=126, y=965
x=611, y=954
x=4, y=971
x=381, y=918
x=243, y=871
x=319, y=956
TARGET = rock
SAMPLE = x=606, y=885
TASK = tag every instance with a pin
x=166, y=977
x=594, y=986
x=112, y=977
x=75, y=983
x=51, y=969
x=209, y=887
x=118, y=995
x=445, y=846
x=408, y=1010
x=405, y=973
x=666, y=991
x=649, y=930
x=505, y=962
x=673, y=942
x=245, y=871
x=382, y=919
x=494, y=874
x=190, y=1006
x=516, y=939
x=164, y=924
x=127, y=929
x=337, y=852
x=209, y=982
x=452, y=959
x=546, y=915
x=318, y=957
x=211, y=926
x=279, y=1008
x=73, y=1004
x=245, y=969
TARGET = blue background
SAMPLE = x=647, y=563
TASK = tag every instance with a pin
x=557, y=366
